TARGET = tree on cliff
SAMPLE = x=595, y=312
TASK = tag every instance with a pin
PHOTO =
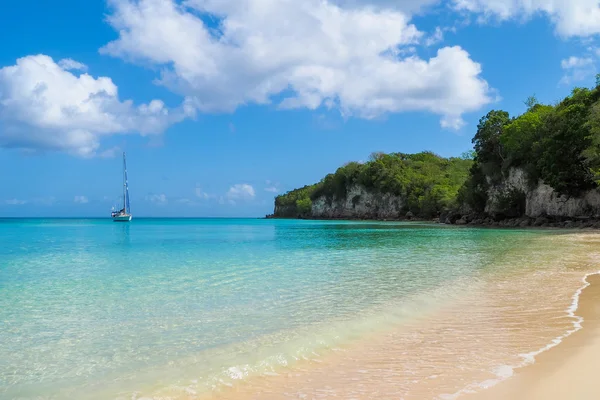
x=426, y=182
x=558, y=144
x=490, y=152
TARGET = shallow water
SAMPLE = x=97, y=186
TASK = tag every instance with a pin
x=242, y=308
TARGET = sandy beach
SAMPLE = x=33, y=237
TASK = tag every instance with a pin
x=485, y=334
x=494, y=300
x=567, y=371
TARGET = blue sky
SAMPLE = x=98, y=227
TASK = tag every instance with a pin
x=222, y=104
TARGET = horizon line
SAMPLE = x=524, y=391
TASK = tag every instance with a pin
x=142, y=217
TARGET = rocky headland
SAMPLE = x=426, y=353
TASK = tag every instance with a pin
x=540, y=169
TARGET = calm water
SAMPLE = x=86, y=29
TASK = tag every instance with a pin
x=96, y=309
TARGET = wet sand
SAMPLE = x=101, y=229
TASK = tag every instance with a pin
x=567, y=371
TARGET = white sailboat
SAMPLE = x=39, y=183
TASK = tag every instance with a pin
x=123, y=215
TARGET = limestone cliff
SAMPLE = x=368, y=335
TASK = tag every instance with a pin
x=542, y=200
x=537, y=204
x=359, y=203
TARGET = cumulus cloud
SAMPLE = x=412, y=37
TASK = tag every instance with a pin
x=297, y=54
x=45, y=106
x=571, y=17
x=201, y=194
x=80, y=199
x=576, y=62
x=577, y=69
x=69, y=64
x=241, y=191
x=436, y=37
x=110, y=153
x=406, y=6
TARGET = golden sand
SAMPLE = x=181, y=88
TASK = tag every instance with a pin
x=568, y=371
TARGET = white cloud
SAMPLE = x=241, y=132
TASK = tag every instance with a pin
x=69, y=64
x=185, y=201
x=272, y=187
x=452, y=122
x=45, y=106
x=15, y=202
x=435, y=38
x=201, y=194
x=80, y=200
x=406, y=6
x=110, y=153
x=241, y=191
x=577, y=69
x=576, y=62
x=296, y=54
x=158, y=199
x=571, y=17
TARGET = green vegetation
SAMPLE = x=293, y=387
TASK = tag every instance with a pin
x=428, y=183
x=559, y=144
x=296, y=203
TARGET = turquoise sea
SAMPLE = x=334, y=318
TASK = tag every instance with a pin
x=95, y=309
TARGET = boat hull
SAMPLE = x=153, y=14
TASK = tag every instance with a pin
x=121, y=218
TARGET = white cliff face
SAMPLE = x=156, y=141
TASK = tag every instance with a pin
x=543, y=200
x=517, y=180
x=359, y=203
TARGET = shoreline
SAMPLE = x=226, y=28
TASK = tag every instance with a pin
x=513, y=334
x=567, y=367
x=580, y=223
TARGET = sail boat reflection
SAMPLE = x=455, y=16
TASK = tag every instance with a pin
x=122, y=234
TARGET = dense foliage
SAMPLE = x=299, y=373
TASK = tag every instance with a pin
x=428, y=183
x=558, y=144
x=295, y=203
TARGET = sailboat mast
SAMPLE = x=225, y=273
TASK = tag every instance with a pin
x=124, y=183
x=127, y=203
